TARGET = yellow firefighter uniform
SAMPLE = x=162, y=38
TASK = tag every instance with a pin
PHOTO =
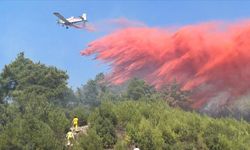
x=75, y=122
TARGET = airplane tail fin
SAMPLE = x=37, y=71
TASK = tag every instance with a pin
x=84, y=16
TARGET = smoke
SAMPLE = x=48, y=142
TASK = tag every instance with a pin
x=211, y=59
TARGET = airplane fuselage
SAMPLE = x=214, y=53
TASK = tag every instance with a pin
x=72, y=21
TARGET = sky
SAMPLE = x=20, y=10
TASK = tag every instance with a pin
x=30, y=27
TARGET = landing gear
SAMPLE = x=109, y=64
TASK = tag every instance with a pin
x=67, y=27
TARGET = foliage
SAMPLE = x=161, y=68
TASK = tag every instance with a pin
x=27, y=77
x=103, y=121
x=89, y=142
x=175, y=97
x=154, y=125
x=28, y=133
x=32, y=97
x=36, y=107
x=138, y=89
x=90, y=94
x=121, y=145
x=81, y=112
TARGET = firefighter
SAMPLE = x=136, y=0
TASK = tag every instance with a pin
x=75, y=122
x=70, y=138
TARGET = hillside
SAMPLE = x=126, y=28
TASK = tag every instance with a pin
x=154, y=125
x=37, y=108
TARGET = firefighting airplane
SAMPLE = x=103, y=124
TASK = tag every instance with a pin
x=72, y=21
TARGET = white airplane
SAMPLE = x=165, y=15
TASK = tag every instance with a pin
x=72, y=21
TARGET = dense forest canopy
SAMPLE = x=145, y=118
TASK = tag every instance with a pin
x=37, y=107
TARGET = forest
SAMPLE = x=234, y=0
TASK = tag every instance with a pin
x=37, y=107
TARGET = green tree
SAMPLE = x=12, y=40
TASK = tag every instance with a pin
x=25, y=77
x=155, y=125
x=139, y=89
x=91, y=141
x=31, y=114
x=175, y=97
x=81, y=112
x=91, y=93
x=103, y=120
x=28, y=133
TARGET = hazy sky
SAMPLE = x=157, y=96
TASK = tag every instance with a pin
x=31, y=27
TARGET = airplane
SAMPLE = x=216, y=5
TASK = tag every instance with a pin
x=72, y=21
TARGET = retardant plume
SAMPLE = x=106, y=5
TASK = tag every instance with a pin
x=210, y=59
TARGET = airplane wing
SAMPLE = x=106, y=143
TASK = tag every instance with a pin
x=61, y=17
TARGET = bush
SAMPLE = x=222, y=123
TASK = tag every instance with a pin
x=81, y=113
x=103, y=121
x=154, y=125
x=89, y=142
x=28, y=133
